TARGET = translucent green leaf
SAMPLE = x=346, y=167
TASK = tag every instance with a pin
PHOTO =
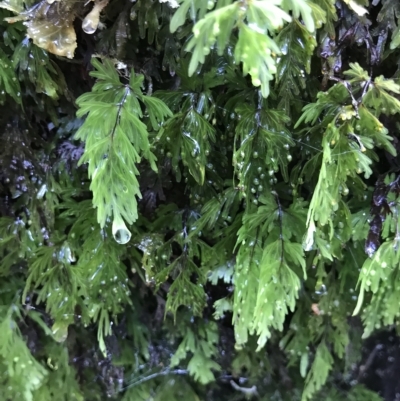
x=319, y=371
x=8, y=80
x=116, y=140
x=179, y=16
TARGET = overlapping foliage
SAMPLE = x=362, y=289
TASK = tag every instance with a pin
x=198, y=199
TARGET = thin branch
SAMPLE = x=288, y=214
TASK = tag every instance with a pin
x=155, y=375
x=247, y=391
x=348, y=87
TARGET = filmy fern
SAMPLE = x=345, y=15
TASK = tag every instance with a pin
x=257, y=23
x=251, y=240
x=116, y=141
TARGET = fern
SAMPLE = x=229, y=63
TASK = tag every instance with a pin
x=319, y=371
x=116, y=140
x=202, y=344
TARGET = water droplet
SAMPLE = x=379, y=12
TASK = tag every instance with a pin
x=42, y=191
x=321, y=290
x=91, y=21
x=89, y=25
x=121, y=234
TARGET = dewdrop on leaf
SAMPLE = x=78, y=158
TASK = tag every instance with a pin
x=91, y=21
x=120, y=233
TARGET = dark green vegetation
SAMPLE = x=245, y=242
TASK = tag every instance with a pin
x=197, y=203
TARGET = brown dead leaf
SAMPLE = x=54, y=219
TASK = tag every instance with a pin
x=50, y=26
